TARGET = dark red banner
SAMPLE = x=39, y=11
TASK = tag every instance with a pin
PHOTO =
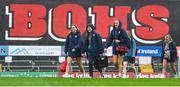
x=47, y=22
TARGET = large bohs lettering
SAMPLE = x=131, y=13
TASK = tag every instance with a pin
x=33, y=21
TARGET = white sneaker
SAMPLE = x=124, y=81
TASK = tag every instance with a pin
x=120, y=75
x=163, y=76
x=84, y=75
x=135, y=75
x=175, y=76
x=101, y=75
x=65, y=75
x=124, y=76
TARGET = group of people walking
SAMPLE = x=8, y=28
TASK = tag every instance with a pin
x=92, y=45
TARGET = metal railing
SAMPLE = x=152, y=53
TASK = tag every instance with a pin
x=30, y=68
x=53, y=68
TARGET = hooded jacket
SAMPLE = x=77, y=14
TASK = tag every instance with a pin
x=118, y=34
x=93, y=44
x=74, y=41
x=172, y=49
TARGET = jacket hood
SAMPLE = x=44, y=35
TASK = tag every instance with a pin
x=77, y=32
x=120, y=25
x=90, y=25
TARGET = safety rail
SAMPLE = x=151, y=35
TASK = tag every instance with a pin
x=55, y=68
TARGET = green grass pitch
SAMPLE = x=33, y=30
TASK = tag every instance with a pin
x=87, y=82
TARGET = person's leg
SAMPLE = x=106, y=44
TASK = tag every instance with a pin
x=133, y=66
x=120, y=61
x=80, y=65
x=173, y=67
x=164, y=64
x=125, y=62
x=90, y=59
x=69, y=60
x=115, y=61
x=132, y=63
x=124, y=69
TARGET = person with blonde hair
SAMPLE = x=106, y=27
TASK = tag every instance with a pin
x=117, y=37
x=169, y=54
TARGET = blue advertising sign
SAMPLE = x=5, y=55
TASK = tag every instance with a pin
x=3, y=50
x=149, y=50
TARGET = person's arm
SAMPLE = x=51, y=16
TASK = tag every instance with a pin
x=109, y=40
x=162, y=53
x=125, y=38
x=134, y=44
x=80, y=41
x=100, y=44
x=66, y=45
x=134, y=47
x=173, y=45
x=85, y=44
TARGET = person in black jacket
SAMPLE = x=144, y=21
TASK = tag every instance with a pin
x=73, y=49
x=118, y=36
x=169, y=54
x=93, y=48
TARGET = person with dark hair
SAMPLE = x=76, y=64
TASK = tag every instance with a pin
x=117, y=37
x=169, y=54
x=93, y=48
x=130, y=57
x=73, y=49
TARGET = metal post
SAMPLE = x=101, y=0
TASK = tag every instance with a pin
x=38, y=68
x=178, y=66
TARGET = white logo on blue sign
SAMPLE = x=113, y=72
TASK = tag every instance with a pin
x=3, y=50
x=149, y=51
